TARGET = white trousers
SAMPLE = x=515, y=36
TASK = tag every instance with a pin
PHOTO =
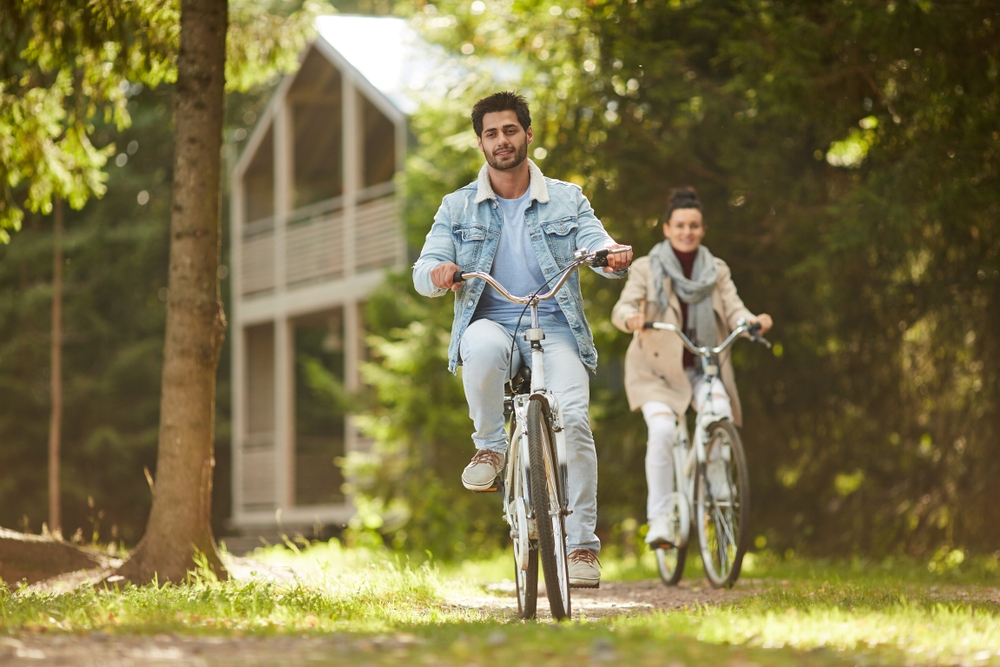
x=661, y=427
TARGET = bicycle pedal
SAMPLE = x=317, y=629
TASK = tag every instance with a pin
x=661, y=544
x=493, y=488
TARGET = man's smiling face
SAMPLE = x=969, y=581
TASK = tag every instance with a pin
x=504, y=142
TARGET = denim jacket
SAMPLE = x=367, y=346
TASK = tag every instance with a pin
x=466, y=230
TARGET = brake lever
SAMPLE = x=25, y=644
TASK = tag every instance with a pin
x=753, y=330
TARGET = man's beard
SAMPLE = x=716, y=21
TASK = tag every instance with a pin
x=520, y=153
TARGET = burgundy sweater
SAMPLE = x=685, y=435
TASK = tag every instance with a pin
x=687, y=264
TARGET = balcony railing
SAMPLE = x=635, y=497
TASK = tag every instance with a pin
x=315, y=241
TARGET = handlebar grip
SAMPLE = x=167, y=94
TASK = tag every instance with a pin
x=648, y=325
x=754, y=331
x=457, y=277
x=601, y=258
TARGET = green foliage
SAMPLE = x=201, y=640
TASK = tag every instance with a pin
x=65, y=67
x=846, y=156
x=113, y=322
x=114, y=316
x=409, y=483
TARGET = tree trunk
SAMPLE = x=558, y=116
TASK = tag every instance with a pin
x=180, y=519
x=55, y=417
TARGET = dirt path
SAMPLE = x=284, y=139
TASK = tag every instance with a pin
x=613, y=598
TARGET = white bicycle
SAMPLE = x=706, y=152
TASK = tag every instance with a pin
x=534, y=485
x=711, y=476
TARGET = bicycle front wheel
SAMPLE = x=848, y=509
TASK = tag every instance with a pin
x=722, y=505
x=547, y=509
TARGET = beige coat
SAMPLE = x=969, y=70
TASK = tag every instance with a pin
x=654, y=363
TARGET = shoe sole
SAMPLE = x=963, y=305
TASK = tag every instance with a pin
x=584, y=583
x=482, y=488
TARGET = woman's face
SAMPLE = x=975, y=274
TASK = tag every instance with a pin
x=685, y=229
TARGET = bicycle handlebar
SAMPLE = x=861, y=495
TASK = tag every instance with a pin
x=741, y=328
x=599, y=258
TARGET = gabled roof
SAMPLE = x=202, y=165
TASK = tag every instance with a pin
x=386, y=51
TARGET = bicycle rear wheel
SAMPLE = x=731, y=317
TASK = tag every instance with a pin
x=547, y=510
x=722, y=505
x=527, y=582
x=525, y=550
x=670, y=560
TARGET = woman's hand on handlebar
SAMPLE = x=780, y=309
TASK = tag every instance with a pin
x=618, y=261
x=443, y=276
x=635, y=322
x=764, y=320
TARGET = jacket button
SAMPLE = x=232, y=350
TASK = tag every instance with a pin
x=469, y=302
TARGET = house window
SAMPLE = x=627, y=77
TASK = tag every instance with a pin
x=380, y=144
x=258, y=182
x=260, y=379
x=320, y=410
x=317, y=130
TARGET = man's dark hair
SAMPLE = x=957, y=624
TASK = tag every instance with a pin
x=503, y=101
x=684, y=197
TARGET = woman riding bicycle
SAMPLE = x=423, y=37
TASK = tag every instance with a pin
x=681, y=283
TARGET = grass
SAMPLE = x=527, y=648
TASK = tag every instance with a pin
x=384, y=608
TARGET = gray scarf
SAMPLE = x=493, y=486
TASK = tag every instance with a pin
x=696, y=292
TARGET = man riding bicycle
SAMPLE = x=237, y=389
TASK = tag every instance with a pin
x=522, y=228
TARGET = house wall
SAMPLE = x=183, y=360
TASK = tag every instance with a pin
x=309, y=245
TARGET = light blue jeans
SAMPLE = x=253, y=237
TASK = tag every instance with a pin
x=486, y=365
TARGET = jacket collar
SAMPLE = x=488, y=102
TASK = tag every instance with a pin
x=539, y=191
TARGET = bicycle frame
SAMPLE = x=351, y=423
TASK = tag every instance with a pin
x=535, y=335
x=689, y=458
x=526, y=532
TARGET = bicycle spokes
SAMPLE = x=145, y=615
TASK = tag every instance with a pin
x=722, y=504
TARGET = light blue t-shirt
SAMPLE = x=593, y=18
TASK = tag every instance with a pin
x=516, y=267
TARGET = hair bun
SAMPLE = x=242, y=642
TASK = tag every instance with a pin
x=683, y=197
x=684, y=194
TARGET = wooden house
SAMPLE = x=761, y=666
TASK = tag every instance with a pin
x=316, y=223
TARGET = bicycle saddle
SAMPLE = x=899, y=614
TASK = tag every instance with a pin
x=520, y=383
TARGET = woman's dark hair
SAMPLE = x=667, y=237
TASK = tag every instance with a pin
x=504, y=101
x=684, y=197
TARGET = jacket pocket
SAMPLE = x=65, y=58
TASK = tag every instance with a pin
x=468, y=243
x=561, y=237
x=560, y=227
x=468, y=234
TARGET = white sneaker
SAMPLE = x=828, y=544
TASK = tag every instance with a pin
x=661, y=531
x=583, y=570
x=482, y=471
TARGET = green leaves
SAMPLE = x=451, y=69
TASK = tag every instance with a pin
x=846, y=157
x=66, y=66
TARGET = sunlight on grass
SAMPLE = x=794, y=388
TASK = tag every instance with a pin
x=869, y=618
x=793, y=612
x=330, y=588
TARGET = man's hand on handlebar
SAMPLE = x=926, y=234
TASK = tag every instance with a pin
x=619, y=261
x=443, y=276
x=764, y=320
